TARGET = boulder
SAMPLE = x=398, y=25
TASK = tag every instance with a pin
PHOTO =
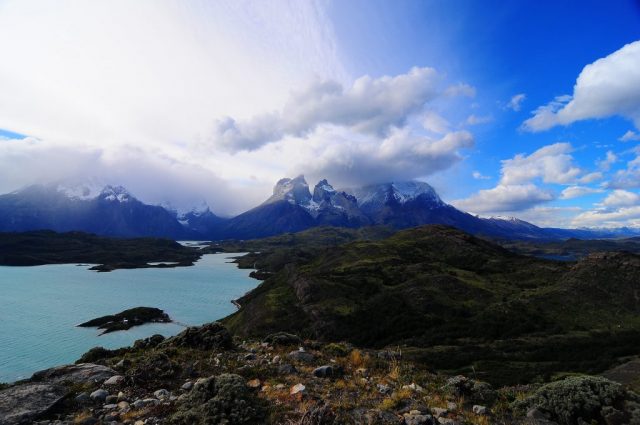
x=22, y=404
x=301, y=356
x=114, y=380
x=210, y=336
x=99, y=395
x=327, y=371
x=287, y=369
x=282, y=338
x=76, y=374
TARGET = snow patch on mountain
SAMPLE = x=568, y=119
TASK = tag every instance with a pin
x=115, y=194
x=83, y=191
x=400, y=192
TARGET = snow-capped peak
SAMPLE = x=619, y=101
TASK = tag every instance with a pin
x=115, y=194
x=196, y=209
x=400, y=192
x=294, y=191
x=84, y=191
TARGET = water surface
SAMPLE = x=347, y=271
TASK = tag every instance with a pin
x=40, y=306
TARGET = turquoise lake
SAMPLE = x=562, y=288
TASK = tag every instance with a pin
x=40, y=307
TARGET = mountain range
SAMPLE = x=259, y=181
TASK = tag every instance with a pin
x=113, y=211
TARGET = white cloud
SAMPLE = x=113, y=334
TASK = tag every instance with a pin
x=627, y=178
x=505, y=198
x=549, y=216
x=572, y=192
x=552, y=163
x=609, y=86
x=370, y=106
x=630, y=135
x=479, y=176
x=605, y=164
x=621, y=198
x=434, y=122
x=515, y=103
x=516, y=190
x=461, y=89
x=482, y=119
x=626, y=216
x=146, y=79
x=348, y=158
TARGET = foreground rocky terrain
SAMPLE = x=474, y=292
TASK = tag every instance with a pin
x=204, y=376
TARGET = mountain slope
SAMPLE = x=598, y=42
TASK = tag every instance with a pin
x=113, y=212
x=459, y=301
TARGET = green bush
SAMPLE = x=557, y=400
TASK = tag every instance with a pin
x=589, y=398
x=224, y=399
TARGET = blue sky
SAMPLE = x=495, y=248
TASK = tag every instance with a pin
x=231, y=96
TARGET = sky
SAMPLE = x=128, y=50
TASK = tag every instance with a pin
x=523, y=108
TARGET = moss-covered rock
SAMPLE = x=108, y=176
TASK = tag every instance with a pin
x=282, y=338
x=473, y=391
x=210, y=336
x=223, y=399
x=156, y=366
x=151, y=342
x=582, y=399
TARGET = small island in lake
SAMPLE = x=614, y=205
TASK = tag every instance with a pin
x=127, y=319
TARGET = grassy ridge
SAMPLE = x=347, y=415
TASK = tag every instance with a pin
x=455, y=302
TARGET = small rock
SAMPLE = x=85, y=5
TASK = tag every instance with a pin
x=280, y=387
x=452, y=406
x=110, y=406
x=287, y=369
x=479, y=410
x=323, y=372
x=301, y=356
x=89, y=420
x=111, y=399
x=413, y=387
x=114, y=380
x=447, y=421
x=123, y=405
x=254, y=383
x=187, y=386
x=138, y=404
x=383, y=388
x=122, y=396
x=439, y=412
x=415, y=417
x=276, y=359
x=297, y=389
x=99, y=395
x=162, y=394
x=83, y=398
x=250, y=357
x=151, y=401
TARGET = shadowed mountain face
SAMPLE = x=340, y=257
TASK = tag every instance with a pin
x=456, y=301
x=113, y=212
x=293, y=207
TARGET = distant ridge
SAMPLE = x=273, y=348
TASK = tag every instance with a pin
x=114, y=211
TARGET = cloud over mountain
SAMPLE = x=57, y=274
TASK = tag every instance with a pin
x=369, y=106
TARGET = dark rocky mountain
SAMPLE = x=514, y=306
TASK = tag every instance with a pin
x=113, y=212
x=292, y=207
